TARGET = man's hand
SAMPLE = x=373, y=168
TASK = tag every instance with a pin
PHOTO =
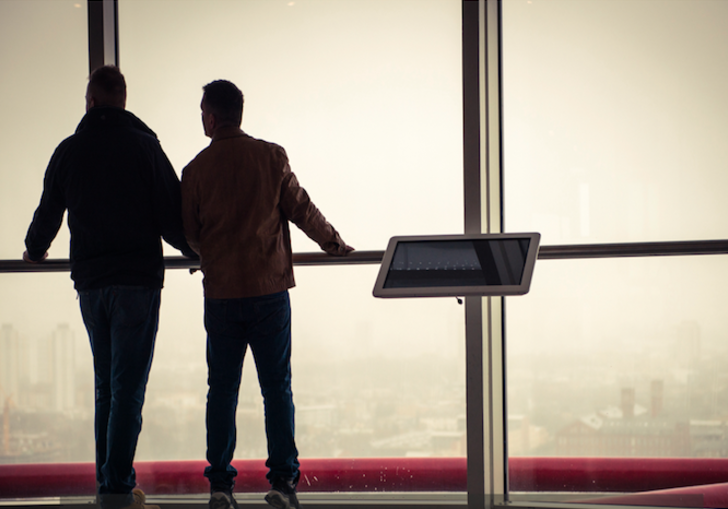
x=348, y=249
x=26, y=257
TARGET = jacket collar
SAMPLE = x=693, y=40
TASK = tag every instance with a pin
x=109, y=115
x=223, y=133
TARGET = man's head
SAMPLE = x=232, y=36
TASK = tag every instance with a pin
x=106, y=87
x=222, y=106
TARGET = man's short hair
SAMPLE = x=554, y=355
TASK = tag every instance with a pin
x=224, y=100
x=107, y=86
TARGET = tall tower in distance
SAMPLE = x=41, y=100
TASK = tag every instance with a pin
x=9, y=363
x=63, y=368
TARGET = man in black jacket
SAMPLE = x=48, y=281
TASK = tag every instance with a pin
x=122, y=195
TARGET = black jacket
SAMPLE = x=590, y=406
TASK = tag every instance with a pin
x=121, y=194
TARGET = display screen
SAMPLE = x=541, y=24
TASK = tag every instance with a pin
x=447, y=263
x=474, y=264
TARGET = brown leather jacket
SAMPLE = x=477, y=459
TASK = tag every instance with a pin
x=237, y=198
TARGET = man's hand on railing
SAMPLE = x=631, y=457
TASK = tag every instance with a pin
x=26, y=257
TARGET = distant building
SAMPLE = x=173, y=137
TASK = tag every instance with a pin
x=63, y=368
x=642, y=436
x=317, y=416
x=9, y=362
x=709, y=438
x=630, y=430
x=50, y=368
x=523, y=437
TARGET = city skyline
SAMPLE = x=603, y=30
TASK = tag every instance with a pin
x=398, y=410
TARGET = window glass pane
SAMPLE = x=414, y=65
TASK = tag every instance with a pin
x=364, y=369
x=618, y=359
x=44, y=58
x=365, y=96
x=46, y=371
x=372, y=378
x=615, y=119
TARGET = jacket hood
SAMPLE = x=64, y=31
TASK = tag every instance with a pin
x=103, y=114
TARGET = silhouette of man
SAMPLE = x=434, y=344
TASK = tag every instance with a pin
x=238, y=196
x=122, y=195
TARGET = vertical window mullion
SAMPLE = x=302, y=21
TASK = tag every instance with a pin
x=103, y=33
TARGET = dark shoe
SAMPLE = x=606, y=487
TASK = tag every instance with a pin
x=282, y=495
x=223, y=500
x=139, y=499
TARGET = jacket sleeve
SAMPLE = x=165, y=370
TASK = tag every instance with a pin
x=300, y=210
x=190, y=211
x=49, y=214
x=168, y=204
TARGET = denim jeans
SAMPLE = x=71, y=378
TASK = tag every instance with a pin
x=122, y=325
x=263, y=323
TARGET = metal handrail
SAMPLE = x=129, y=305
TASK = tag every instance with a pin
x=560, y=252
x=181, y=262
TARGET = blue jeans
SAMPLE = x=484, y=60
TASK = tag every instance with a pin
x=122, y=325
x=264, y=323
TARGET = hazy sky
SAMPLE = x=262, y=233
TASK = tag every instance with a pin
x=615, y=119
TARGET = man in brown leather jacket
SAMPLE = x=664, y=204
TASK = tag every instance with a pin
x=238, y=196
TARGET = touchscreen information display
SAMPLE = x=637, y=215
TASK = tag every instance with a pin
x=458, y=263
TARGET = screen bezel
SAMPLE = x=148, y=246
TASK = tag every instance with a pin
x=458, y=291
